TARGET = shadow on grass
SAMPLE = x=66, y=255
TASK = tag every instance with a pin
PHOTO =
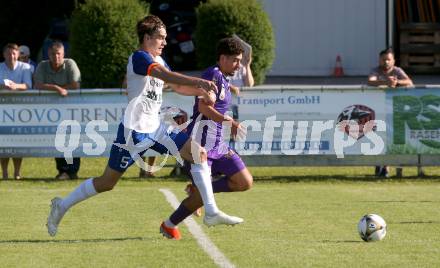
x=70, y=241
x=415, y=222
x=52, y=180
x=398, y=201
x=278, y=178
x=340, y=241
x=346, y=178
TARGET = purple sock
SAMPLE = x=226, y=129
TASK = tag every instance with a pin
x=180, y=214
x=221, y=185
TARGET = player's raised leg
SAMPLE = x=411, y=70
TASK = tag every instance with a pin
x=237, y=178
x=201, y=174
x=119, y=161
x=85, y=190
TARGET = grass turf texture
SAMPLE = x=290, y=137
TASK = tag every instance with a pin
x=294, y=217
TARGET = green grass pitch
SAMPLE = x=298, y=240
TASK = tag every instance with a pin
x=294, y=217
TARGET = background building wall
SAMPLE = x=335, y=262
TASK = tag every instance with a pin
x=310, y=34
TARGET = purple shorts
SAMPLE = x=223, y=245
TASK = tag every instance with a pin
x=225, y=165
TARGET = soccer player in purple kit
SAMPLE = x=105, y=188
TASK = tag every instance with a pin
x=142, y=128
x=221, y=158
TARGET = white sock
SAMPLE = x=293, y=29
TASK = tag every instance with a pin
x=201, y=174
x=82, y=192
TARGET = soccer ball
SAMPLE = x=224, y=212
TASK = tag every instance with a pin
x=372, y=227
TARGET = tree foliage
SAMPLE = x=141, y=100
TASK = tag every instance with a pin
x=102, y=36
x=217, y=19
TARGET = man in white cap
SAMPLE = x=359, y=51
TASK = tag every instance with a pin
x=25, y=55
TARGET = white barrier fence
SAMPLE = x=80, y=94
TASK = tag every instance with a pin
x=287, y=125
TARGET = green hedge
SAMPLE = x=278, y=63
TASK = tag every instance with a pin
x=102, y=36
x=217, y=19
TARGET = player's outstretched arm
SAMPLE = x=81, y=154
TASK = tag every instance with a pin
x=210, y=112
x=207, y=96
x=170, y=77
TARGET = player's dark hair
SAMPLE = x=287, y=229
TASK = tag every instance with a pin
x=386, y=51
x=148, y=25
x=229, y=46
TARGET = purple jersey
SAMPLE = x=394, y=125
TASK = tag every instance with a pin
x=212, y=135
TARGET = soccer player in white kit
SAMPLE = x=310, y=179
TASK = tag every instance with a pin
x=142, y=128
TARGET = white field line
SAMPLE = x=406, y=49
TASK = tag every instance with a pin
x=205, y=243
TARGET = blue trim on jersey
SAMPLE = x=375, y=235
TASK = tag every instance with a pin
x=120, y=159
x=141, y=61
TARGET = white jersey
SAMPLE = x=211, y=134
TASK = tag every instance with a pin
x=144, y=93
